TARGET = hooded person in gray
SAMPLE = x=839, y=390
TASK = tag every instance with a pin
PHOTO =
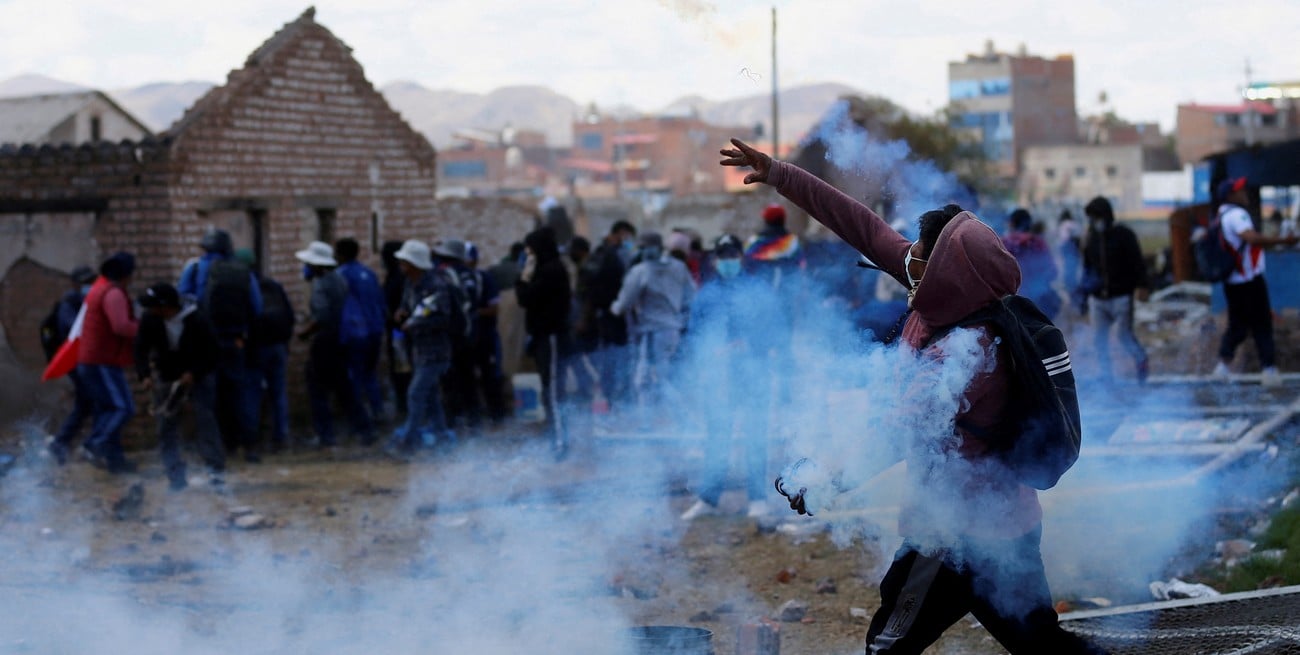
x=656, y=299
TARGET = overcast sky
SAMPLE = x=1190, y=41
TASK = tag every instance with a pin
x=1147, y=55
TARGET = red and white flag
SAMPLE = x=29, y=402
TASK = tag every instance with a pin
x=66, y=358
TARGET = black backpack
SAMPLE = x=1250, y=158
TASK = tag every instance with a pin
x=1040, y=432
x=1215, y=259
x=227, y=300
x=275, y=325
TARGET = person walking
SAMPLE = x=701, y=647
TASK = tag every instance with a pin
x=962, y=552
x=54, y=331
x=423, y=318
x=602, y=278
x=175, y=355
x=1250, y=312
x=1037, y=266
x=545, y=295
x=656, y=299
x=108, y=335
x=1113, y=273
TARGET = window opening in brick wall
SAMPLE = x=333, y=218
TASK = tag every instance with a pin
x=325, y=219
x=96, y=129
x=257, y=222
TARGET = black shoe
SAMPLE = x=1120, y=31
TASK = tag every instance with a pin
x=176, y=481
x=59, y=451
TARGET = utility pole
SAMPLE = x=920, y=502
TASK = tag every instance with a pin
x=1248, y=116
x=776, y=117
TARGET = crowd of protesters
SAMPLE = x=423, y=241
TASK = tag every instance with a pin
x=412, y=356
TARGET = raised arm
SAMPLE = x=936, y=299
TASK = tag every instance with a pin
x=851, y=220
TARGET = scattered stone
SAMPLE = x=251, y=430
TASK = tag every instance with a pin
x=235, y=512
x=47, y=532
x=792, y=611
x=1234, y=550
x=725, y=608
x=330, y=511
x=859, y=614
x=807, y=620
x=703, y=617
x=251, y=522
x=157, y=537
x=426, y=511
x=127, y=508
x=785, y=575
x=1291, y=498
x=826, y=586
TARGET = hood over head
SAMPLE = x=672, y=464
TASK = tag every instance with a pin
x=968, y=269
x=542, y=242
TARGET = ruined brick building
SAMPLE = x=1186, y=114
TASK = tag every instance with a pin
x=297, y=145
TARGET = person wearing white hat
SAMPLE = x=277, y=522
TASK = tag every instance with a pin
x=326, y=367
x=423, y=317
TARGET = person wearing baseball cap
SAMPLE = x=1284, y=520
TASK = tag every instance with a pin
x=1249, y=310
x=175, y=355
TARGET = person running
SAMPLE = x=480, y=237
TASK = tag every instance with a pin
x=986, y=562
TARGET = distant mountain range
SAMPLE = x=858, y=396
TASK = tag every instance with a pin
x=439, y=114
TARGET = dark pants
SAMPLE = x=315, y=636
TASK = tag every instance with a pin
x=548, y=352
x=110, y=395
x=272, y=362
x=202, y=396
x=362, y=365
x=327, y=375
x=460, y=388
x=82, y=410
x=1001, y=582
x=399, y=368
x=613, y=358
x=487, y=369
x=1249, y=313
x=238, y=397
x=426, y=422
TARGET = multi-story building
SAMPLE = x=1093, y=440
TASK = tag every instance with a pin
x=1008, y=102
x=1203, y=130
x=508, y=162
x=661, y=155
x=1068, y=176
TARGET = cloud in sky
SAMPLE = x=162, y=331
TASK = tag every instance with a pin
x=1146, y=56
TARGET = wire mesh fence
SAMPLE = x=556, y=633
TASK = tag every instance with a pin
x=1258, y=622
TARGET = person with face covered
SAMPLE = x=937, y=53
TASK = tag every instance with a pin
x=1113, y=273
x=731, y=347
x=543, y=291
x=971, y=529
x=656, y=299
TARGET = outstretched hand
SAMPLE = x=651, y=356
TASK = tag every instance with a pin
x=743, y=155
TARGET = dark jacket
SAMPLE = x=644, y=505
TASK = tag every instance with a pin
x=1112, y=262
x=968, y=269
x=427, y=304
x=546, y=298
x=196, y=351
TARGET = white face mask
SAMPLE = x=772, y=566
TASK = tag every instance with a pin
x=907, y=267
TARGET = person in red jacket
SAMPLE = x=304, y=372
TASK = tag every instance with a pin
x=106, y=352
x=971, y=529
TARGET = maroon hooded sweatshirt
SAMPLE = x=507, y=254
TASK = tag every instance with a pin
x=969, y=493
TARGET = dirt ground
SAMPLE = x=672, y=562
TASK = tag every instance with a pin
x=363, y=526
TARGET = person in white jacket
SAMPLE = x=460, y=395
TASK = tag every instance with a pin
x=656, y=299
